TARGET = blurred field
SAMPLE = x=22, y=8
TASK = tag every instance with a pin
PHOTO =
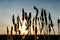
x=29, y=37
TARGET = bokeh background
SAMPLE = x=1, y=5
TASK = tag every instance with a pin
x=10, y=7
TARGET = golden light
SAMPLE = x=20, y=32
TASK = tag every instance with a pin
x=23, y=29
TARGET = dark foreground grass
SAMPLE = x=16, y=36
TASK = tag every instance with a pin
x=29, y=37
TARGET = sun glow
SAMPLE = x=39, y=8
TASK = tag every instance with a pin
x=23, y=29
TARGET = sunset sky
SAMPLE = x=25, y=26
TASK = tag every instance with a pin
x=10, y=7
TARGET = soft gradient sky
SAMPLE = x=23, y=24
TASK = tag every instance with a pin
x=10, y=7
